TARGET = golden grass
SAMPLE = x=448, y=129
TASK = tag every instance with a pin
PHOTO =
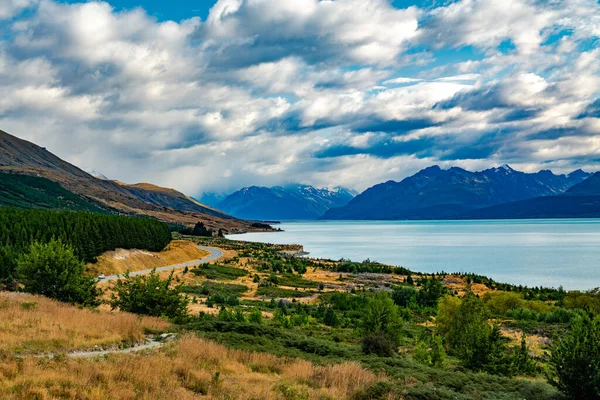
x=190, y=368
x=33, y=324
x=456, y=283
x=121, y=261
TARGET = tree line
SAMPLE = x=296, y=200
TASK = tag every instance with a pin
x=88, y=234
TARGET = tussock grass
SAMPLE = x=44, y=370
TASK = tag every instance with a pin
x=188, y=369
x=33, y=324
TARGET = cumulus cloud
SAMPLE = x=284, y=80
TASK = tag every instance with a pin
x=367, y=31
x=340, y=92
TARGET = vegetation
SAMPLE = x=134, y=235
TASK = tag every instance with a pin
x=431, y=337
x=187, y=369
x=52, y=270
x=209, y=288
x=218, y=271
x=150, y=295
x=279, y=293
x=88, y=234
x=36, y=324
x=24, y=191
x=576, y=360
x=381, y=325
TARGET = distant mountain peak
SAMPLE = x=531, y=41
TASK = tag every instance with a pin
x=507, y=167
x=579, y=173
x=291, y=201
x=97, y=174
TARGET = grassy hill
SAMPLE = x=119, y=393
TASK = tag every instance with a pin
x=34, y=192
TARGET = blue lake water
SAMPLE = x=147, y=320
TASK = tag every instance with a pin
x=528, y=252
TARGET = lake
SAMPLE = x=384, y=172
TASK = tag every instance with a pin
x=528, y=252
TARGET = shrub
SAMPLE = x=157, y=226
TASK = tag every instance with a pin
x=471, y=338
x=379, y=390
x=381, y=316
x=255, y=317
x=330, y=318
x=431, y=291
x=433, y=355
x=378, y=343
x=500, y=303
x=405, y=296
x=576, y=360
x=53, y=270
x=150, y=295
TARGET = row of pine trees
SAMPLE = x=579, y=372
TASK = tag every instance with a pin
x=89, y=234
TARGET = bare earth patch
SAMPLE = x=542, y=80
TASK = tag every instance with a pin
x=120, y=261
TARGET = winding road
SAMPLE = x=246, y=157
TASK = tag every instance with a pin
x=215, y=254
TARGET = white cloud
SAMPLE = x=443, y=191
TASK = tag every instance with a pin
x=9, y=8
x=369, y=31
x=255, y=93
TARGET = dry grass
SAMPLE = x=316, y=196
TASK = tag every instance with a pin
x=33, y=324
x=188, y=369
x=121, y=261
x=456, y=283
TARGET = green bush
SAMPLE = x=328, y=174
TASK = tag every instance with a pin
x=330, y=318
x=53, y=270
x=431, y=291
x=378, y=343
x=405, y=296
x=150, y=295
x=433, y=354
x=576, y=360
x=471, y=338
x=219, y=272
x=255, y=317
x=381, y=316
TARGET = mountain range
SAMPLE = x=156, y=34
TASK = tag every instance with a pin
x=435, y=193
x=284, y=202
x=580, y=201
x=34, y=177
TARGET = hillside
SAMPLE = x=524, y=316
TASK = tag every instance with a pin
x=283, y=202
x=580, y=201
x=21, y=157
x=33, y=192
x=434, y=193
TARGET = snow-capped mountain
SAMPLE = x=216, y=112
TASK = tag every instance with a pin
x=284, y=202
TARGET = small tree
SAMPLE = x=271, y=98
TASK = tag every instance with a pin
x=255, y=317
x=576, y=360
x=330, y=317
x=52, y=270
x=470, y=337
x=381, y=319
x=405, y=296
x=201, y=230
x=150, y=295
x=431, y=291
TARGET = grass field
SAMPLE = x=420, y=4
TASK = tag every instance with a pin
x=35, y=324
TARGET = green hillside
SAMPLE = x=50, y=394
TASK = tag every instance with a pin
x=34, y=192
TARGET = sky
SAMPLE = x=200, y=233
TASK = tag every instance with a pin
x=211, y=96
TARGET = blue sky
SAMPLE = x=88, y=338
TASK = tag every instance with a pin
x=216, y=95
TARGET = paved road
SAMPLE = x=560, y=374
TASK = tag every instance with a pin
x=214, y=255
